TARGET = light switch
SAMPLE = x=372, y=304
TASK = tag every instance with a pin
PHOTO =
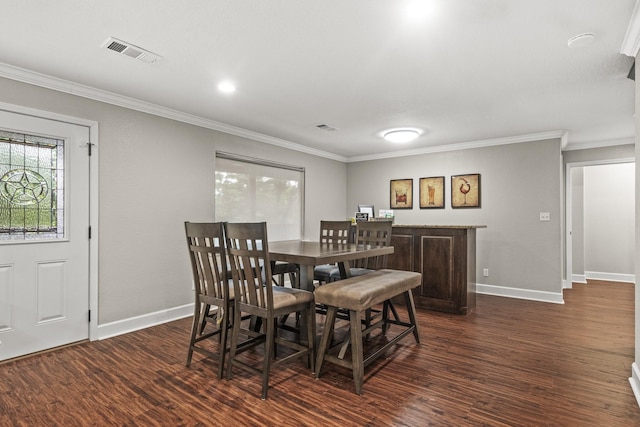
x=545, y=216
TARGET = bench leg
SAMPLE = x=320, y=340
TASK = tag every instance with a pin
x=357, y=356
x=325, y=342
x=411, y=309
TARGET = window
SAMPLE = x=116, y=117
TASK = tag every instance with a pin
x=254, y=190
x=31, y=187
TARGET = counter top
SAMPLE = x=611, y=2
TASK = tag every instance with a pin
x=437, y=226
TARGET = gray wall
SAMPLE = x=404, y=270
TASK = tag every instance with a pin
x=155, y=173
x=609, y=219
x=518, y=181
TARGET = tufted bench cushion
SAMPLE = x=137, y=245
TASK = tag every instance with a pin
x=362, y=292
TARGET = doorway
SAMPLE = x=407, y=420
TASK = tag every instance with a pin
x=598, y=214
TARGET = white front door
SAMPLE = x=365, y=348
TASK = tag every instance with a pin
x=44, y=234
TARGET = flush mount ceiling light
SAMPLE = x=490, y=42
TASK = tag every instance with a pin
x=401, y=135
x=581, y=40
x=226, y=87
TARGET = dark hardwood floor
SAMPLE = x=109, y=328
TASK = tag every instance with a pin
x=510, y=363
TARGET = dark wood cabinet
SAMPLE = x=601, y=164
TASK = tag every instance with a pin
x=446, y=257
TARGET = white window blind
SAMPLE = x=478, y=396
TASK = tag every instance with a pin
x=254, y=190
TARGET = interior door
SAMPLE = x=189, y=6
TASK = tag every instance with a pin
x=44, y=234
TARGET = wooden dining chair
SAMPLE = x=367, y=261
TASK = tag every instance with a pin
x=248, y=250
x=372, y=233
x=331, y=233
x=213, y=288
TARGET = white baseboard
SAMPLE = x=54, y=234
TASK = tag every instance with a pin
x=124, y=326
x=503, y=291
x=579, y=278
x=634, y=380
x=611, y=277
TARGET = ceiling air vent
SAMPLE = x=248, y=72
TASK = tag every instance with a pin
x=326, y=127
x=130, y=50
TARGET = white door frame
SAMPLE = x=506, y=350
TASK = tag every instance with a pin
x=569, y=210
x=93, y=198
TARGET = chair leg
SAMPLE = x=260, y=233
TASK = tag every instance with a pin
x=235, y=335
x=357, y=357
x=311, y=330
x=268, y=356
x=224, y=325
x=203, y=322
x=385, y=317
x=194, y=330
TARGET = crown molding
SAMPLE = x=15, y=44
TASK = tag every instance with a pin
x=42, y=80
x=61, y=85
x=576, y=145
x=631, y=42
x=556, y=134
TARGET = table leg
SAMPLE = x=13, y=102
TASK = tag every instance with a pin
x=306, y=277
x=345, y=270
x=306, y=283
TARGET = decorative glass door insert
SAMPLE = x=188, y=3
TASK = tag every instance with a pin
x=31, y=187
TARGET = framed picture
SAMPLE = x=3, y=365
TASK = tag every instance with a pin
x=401, y=194
x=432, y=192
x=368, y=209
x=465, y=191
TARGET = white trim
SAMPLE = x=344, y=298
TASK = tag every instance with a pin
x=579, y=278
x=631, y=42
x=37, y=79
x=599, y=144
x=464, y=145
x=94, y=212
x=634, y=380
x=566, y=284
x=611, y=277
x=528, y=294
x=94, y=189
x=60, y=85
x=143, y=321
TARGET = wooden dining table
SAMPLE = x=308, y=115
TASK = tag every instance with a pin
x=308, y=254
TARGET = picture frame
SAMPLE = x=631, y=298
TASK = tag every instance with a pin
x=432, y=192
x=369, y=209
x=465, y=191
x=401, y=194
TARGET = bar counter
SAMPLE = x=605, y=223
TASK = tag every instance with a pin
x=446, y=257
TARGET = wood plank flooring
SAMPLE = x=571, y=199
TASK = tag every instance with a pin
x=510, y=363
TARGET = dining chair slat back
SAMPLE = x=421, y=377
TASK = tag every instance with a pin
x=331, y=233
x=373, y=233
x=256, y=295
x=335, y=232
x=248, y=251
x=211, y=279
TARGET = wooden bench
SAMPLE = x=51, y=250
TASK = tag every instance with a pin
x=358, y=294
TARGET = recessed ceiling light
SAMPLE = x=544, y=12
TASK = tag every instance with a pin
x=401, y=135
x=226, y=87
x=581, y=40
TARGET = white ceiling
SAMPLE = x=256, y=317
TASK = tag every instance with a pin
x=467, y=71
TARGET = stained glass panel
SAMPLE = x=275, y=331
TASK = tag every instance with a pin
x=31, y=194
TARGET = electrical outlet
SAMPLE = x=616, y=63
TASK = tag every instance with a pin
x=485, y=272
x=545, y=216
